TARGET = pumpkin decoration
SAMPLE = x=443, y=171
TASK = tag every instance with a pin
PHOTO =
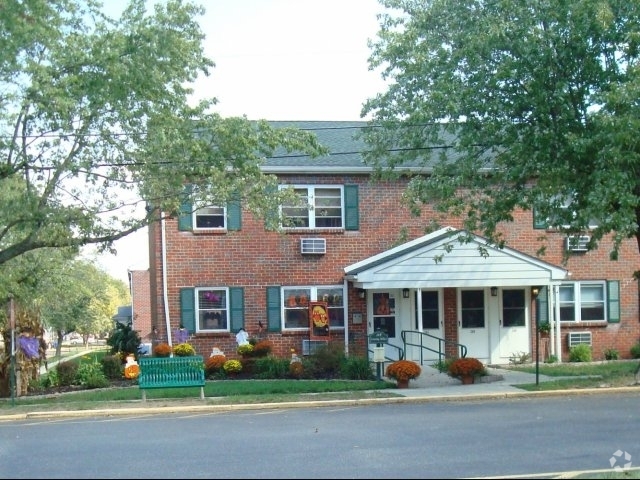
x=131, y=369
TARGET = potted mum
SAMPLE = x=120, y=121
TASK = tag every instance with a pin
x=466, y=369
x=403, y=371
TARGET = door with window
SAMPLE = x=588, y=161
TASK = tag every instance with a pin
x=384, y=319
x=514, y=330
x=428, y=320
x=473, y=331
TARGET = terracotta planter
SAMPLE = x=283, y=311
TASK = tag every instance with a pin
x=468, y=379
x=402, y=383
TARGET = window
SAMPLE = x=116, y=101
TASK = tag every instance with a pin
x=384, y=313
x=582, y=302
x=513, y=308
x=430, y=311
x=212, y=311
x=319, y=207
x=558, y=219
x=472, y=308
x=210, y=217
x=296, y=305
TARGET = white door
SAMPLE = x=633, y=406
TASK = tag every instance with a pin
x=514, y=325
x=384, y=318
x=473, y=329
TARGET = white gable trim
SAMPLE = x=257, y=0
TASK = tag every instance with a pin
x=414, y=265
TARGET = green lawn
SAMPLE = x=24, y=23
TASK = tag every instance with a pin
x=614, y=373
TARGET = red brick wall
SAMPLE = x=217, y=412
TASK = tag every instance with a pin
x=254, y=258
x=141, y=303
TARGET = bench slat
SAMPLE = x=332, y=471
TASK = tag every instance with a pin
x=171, y=372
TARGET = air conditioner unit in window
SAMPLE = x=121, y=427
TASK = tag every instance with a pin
x=309, y=347
x=313, y=246
x=578, y=338
x=577, y=243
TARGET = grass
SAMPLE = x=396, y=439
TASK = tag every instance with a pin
x=613, y=373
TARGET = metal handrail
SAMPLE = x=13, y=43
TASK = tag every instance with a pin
x=442, y=343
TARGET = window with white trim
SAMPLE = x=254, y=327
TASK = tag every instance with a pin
x=296, y=305
x=583, y=302
x=320, y=206
x=558, y=219
x=212, y=310
x=211, y=217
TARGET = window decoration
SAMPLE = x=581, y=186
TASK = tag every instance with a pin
x=212, y=310
x=296, y=302
x=319, y=315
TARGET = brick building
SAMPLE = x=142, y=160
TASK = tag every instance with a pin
x=357, y=263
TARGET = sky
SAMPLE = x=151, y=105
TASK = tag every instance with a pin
x=276, y=60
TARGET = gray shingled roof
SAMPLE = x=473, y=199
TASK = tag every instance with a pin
x=338, y=136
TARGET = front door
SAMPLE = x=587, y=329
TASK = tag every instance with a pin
x=384, y=318
x=428, y=343
x=473, y=330
x=514, y=330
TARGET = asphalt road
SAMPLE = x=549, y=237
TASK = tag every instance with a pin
x=522, y=437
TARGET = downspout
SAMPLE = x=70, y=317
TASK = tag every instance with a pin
x=165, y=295
x=556, y=301
x=346, y=320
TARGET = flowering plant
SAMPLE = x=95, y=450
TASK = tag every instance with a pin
x=462, y=367
x=232, y=366
x=262, y=348
x=162, y=350
x=214, y=363
x=403, y=370
x=184, y=350
x=245, y=349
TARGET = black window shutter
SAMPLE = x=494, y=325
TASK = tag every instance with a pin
x=188, y=309
x=613, y=296
x=185, y=218
x=273, y=309
x=236, y=307
x=542, y=307
x=351, y=214
x=234, y=215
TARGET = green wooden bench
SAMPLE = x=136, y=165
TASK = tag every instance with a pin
x=169, y=372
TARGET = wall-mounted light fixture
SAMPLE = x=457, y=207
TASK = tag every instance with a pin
x=494, y=291
x=405, y=293
x=535, y=291
x=361, y=293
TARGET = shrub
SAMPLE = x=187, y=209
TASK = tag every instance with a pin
x=262, y=348
x=443, y=365
x=325, y=361
x=162, y=350
x=124, y=339
x=66, y=372
x=635, y=350
x=356, y=368
x=519, y=358
x=271, y=367
x=184, y=350
x=90, y=375
x=552, y=359
x=111, y=367
x=580, y=353
x=611, y=354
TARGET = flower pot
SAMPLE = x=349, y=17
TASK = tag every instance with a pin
x=402, y=383
x=468, y=379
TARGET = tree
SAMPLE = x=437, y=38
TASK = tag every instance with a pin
x=95, y=115
x=513, y=105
